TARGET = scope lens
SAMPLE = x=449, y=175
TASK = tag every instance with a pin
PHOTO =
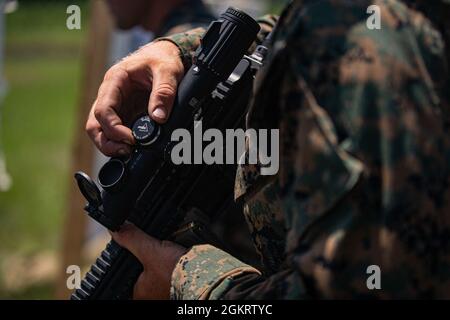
x=111, y=174
x=226, y=41
x=240, y=17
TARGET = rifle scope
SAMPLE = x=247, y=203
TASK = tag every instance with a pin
x=123, y=179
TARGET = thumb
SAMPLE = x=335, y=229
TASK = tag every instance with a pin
x=162, y=97
x=140, y=244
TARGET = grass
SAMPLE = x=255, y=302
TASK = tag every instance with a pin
x=43, y=70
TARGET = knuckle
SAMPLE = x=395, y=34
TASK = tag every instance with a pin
x=166, y=67
x=166, y=244
x=106, y=104
x=89, y=128
x=107, y=151
x=98, y=112
x=110, y=74
x=116, y=72
x=126, y=236
x=128, y=233
x=165, y=90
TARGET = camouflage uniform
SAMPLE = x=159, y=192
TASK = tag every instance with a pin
x=364, y=161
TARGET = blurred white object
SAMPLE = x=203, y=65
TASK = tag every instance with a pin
x=125, y=42
x=5, y=179
x=255, y=8
x=10, y=6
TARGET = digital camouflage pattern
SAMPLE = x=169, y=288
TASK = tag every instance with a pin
x=204, y=283
x=364, y=160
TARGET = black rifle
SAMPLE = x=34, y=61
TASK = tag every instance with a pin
x=147, y=189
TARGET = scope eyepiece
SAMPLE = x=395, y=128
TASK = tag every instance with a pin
x=112, y=175
x=240, y=17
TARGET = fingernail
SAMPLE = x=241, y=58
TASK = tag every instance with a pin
x=123, y=152
x=160, y=113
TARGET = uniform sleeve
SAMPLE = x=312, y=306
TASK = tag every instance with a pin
x=189, y=41
x=206, y=272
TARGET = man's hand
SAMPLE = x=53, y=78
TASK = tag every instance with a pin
x=147, y=80
x=159, y=259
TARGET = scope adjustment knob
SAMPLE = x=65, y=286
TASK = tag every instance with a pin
x=145, y=131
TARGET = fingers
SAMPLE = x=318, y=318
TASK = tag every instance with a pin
x=104, y=126
x=145, y=247
x=164, y=88
x=147, y=287
x=111, y=94
x=111, y=148
x=106, y=145
x=112, y=126
x=141, y=289
x=141, y=245
x=157, y=67
x=158, y=258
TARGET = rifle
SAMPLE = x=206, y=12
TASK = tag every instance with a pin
x=150, y=191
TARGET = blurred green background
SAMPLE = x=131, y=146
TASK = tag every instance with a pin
x=43, y=68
